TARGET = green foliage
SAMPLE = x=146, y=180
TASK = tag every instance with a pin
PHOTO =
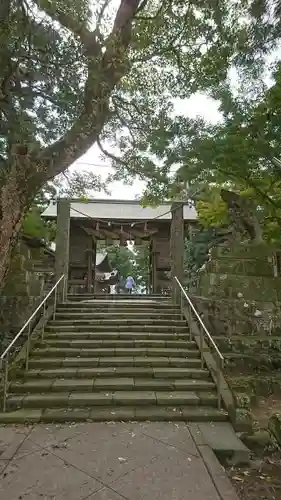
x=41, y=78
x=239, y=149
x=175, y=50
x=212, y=210
x=79, y=184
x=33, y=225
x=196, y=252
x=187, y=48
x=142, y=266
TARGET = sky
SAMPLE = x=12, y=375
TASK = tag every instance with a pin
x=196, y=105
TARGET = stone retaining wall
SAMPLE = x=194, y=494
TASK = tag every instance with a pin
x=23, y=292
x=239, y=296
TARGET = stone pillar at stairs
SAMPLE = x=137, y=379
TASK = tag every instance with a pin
x=62, y=245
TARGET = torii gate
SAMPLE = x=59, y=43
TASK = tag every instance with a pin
x=81, y=224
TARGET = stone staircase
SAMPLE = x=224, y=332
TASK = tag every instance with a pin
x=114, y=359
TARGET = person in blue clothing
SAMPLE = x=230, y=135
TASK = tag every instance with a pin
x=130, y=284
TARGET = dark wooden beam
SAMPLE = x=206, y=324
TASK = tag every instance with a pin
x=94, y=265
x=93, y=232
x=90, y=263
x=108, y=234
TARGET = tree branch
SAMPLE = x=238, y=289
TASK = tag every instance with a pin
x=101, y=12
x=125, y=14
x=142, y=5
x=128, y=110
x=78, y=29
x=104, y=73
x=110, y=155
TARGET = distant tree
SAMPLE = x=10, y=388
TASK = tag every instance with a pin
x=122, y=259
x=141, y=266
x=130, y=261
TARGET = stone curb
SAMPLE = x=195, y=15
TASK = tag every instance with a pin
x=217, y=473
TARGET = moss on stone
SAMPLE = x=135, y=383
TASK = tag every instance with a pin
x=243, y=420
x=274, y=426
x=243, y=400
x=259, y=440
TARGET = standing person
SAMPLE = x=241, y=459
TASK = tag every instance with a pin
x=130, y=284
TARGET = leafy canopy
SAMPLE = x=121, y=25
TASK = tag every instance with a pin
x=58, y=55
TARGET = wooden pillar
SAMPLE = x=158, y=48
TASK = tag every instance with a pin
x=90, y=264
x=153, y=260
x=177, y=249
x=94, y=253
x=149, y=282
x=62, y=245
x=154, y=272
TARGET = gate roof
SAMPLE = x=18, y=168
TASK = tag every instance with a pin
x=119, y=210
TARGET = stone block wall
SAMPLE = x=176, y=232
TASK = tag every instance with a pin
x=23, y=292
x=239, y=296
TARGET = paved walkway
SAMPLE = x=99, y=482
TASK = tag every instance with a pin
x=109, y=461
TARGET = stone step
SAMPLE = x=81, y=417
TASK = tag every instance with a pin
x=105, y=326
x=101, y=309
x=116, y=361
x=138, y=323
x=222, y=439
x=119, y=371
x=155, y=413
x=92, y=316
x=117, y=297
x=121, y=336
x=85, y=349
x=123, y=303
x=67, y=339
x=120, y=398
x=126, y=306
x=109, y=384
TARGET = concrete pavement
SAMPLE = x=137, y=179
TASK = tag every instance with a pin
x=109, y=461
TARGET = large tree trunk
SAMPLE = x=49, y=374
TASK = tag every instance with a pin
x=9, y=227
x=12, y=213
x=17, y=188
